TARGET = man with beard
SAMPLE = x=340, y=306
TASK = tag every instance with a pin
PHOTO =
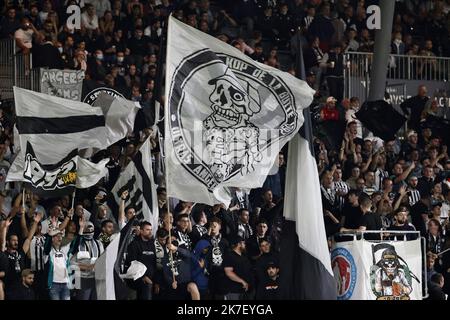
x=106, y=236
x=33, y=247
x=402, y=224
x=142, y=249
x=269, y=288
x=238, y=271
x=24, y=291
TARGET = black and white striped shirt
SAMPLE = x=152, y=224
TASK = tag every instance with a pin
x=414, y=196
x=342, y=187
x=380, y=175
x=37, y=253
x=307, y=21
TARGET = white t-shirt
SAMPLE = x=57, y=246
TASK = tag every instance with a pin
x=88, y=22
x=25, y=36
x=59, y=267
x=46, y=224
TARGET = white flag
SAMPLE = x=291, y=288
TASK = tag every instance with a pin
x=55, y=127
x=137, y=178
x=227, y=116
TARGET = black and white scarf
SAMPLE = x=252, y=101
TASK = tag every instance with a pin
x=216, y=253
x=201, y=230
x=159, y=253
x=329, y=194
x=183, y=239
x=90, y=245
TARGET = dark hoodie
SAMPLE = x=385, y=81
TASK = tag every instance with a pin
x=200, y=275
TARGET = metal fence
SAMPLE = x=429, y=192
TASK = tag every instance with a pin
x=13, y=71
x=400, y=67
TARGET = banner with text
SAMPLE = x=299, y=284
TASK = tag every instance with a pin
x=66, y=84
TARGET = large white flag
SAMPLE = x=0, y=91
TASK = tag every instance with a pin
x=310, y=266
x=52, y=128
x=227, y=116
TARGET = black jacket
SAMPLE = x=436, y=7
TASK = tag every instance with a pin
x=47, y=55
x=143, y=251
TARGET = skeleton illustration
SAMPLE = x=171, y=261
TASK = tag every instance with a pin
x=230, y=138
x=390, y=278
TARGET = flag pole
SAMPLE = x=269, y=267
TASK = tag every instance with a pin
x=157, y=96
x=23, y=198
x=73, y=199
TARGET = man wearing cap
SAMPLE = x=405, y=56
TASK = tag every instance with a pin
x=410, y=144
x=57, y=261
x=269, y=288
x=402, y=224
x=84, y=257
x=238, y=271
x=329, y=111
x=24, y=291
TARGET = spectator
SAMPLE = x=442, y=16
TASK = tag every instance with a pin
x=219, y=246
x=435, y=287
x=426, y=182
x=107, y=234
x=414, y=107
x=24, y=38
x=238, y=282
x=199, y=228
x=269, y=289
x=9, y=24
x=142, y=249
x=101, y=6
x=177, y=273
x=370, y=221
x=322, y=27
x=435, y=240
x=57, y=259
x=182, y=231
x=335, y=72
x=24, y=291
x=402, y=224
x=329, y=111
x=132, y=77
x=253, y=243
x=89, y=18
x=47, y=55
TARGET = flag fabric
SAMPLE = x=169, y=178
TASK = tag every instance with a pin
x=304, y=255
x=55, y=127
x=111, y=264
x=137, y=178
x=63, y=177
x=389, y=270
x=227, y=116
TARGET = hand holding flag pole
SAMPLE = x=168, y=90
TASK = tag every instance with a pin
x=172, y=268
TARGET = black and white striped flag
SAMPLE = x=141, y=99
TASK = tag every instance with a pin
x=137, y=178
x=55, y=127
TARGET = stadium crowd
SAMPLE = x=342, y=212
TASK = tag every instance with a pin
x=367, y=183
